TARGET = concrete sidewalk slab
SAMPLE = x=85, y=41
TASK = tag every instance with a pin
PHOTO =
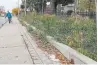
x=12, y=47
x=14, y=55
x=17, y=46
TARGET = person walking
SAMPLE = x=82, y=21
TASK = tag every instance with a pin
x=9, y=16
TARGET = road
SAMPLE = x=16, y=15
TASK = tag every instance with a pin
x=2, y=20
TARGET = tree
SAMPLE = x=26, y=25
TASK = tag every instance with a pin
x=87, y=5
x=22, y=6
x=15, y=11
x=40, y=5
x=36, y=4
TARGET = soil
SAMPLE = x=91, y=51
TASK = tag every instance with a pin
x=50, y=49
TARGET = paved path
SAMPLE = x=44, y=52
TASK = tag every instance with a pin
x=13, y=49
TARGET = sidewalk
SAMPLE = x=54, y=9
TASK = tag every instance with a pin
x=12, y=47
x=14, y=40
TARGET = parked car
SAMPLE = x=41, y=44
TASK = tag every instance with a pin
x=2, y=15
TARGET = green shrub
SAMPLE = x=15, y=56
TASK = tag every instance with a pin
x=76, y=31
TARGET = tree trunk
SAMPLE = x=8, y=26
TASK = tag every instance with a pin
x=54, y=7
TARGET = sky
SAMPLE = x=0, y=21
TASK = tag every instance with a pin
x=9, y=4
x=48, y=3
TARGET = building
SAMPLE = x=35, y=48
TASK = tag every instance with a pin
x=67, y=9
x=2, y=9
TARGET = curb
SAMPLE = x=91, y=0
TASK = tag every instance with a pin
x=3, y=24
x=72, y=54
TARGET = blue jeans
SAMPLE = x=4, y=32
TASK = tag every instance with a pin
x=9, y=19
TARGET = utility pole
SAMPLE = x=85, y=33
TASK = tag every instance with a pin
x=25, y=8
x=42, y=6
